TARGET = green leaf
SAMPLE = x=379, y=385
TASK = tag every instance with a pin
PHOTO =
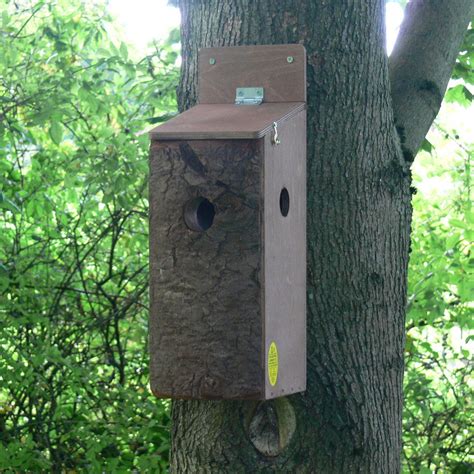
x=460, y=94
x=458, y=223
x=124, y=50
x=56, y=132
x=6, y=203
x=427, y=146
x=463, y=71
x=161, y=118
x=5, y=18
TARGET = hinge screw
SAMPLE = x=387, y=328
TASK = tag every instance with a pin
x=290, y=59
x=212, y=61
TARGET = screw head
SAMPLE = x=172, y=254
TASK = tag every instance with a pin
x=212, y=61
x=241, y=93
x=290, y=59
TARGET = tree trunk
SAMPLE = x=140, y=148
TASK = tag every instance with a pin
x=359, y=212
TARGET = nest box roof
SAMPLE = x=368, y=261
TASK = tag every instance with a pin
x=278, y=70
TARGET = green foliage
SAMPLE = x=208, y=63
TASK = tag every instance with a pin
x=460, y=94
x=463, y=72
x=438, y=423
x=73, y=241
x=465, y=62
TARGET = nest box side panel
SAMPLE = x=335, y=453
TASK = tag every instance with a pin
x=285, y=259
x=206, y=322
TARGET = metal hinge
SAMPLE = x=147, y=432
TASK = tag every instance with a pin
x=248, y=95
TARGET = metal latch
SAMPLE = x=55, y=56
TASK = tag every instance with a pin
x=248, y=95
x=275, y=138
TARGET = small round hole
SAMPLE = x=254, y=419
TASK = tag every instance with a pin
x=199, y=214
x=284, y=202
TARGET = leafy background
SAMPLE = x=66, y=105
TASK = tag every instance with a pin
x=74, y=105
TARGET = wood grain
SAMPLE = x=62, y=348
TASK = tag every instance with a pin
x=252, y=66
x=285, y=256
x=223, y=121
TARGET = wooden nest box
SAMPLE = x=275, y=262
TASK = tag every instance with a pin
x=228, y=231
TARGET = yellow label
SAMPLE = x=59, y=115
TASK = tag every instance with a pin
x=273, y=363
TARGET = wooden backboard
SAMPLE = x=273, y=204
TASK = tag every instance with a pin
x=279, y=69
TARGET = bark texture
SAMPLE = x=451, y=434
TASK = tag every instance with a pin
x=359, y=212
x=194, y=271
x=421, y=64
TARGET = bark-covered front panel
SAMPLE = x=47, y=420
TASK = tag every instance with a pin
x=205, y=318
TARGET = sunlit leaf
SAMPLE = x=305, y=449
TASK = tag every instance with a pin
x=56, y=132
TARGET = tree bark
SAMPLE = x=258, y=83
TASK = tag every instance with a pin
x=359, y=213
x=421, y=65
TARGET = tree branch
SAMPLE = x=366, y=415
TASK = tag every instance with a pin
x=422, y=62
